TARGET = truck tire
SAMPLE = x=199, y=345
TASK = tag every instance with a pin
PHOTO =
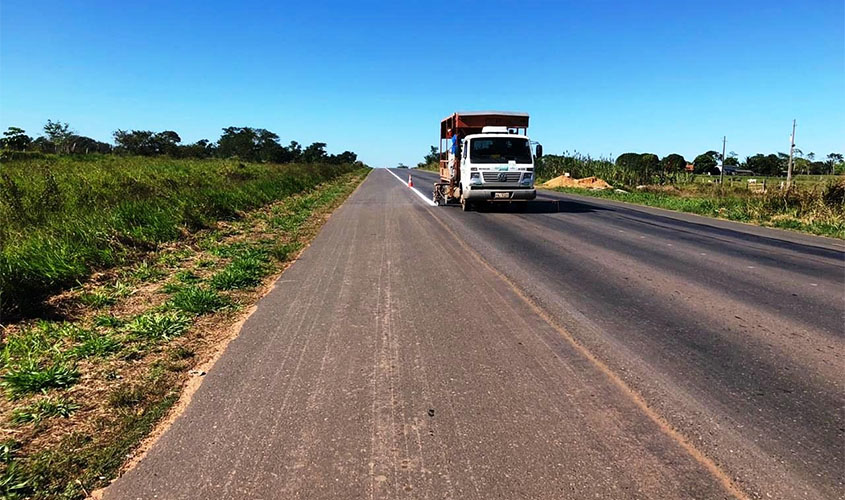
x=466, y=206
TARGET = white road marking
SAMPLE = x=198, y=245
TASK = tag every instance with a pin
x=422, y=196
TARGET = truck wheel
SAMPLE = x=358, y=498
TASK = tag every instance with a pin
x=465, y=205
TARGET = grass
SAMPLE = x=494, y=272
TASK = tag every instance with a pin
x=31, y=377
x=245, y=271
x=96, y=344
x=158, y=326
x=818, y=209
x=198, y=300
x=44, y=408
x=61, y=217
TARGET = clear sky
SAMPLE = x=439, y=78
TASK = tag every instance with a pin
x=597, y=77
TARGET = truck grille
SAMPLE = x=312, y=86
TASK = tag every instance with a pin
x=494, y=176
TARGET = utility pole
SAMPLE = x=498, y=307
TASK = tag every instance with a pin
x=791, y=149
x=722, y=173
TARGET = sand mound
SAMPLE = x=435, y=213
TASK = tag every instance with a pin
x=585, y=183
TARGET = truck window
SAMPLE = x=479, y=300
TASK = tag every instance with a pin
x=499, y=150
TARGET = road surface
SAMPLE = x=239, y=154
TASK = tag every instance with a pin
x=580, y=348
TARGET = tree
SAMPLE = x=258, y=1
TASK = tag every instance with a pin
x=80, y=144
x=148, y=143
x=136, y=142
x=629, y=161
x=673, y=163
x=342, y=158
x=165, y=143
x=833, y=161
x=268, y=147
x=293, y=152
x=43, y=145
x=15, y=138
x=432, y=158
x=649, y=164
x=705, y=163
x=200, y=149
x=238, y=141
x=59, y=134
x=314, y=153
x=251, y=144
x=764, y=164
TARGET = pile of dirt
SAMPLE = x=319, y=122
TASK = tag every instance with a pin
x=585, y=183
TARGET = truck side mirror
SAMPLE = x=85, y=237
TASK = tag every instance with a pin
x=538, y=151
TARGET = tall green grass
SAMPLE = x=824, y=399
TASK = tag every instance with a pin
x=62, y=217
x=817, y=209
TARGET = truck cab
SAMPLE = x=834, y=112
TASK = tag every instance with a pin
x=496, y=165
x=488, y=158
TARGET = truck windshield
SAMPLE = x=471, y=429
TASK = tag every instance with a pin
x=499, y=150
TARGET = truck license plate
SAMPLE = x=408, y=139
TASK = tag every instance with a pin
x=501, y=195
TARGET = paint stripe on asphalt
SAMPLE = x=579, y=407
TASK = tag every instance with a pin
x=422, y=196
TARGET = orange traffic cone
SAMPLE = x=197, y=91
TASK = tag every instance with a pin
x=410, y=181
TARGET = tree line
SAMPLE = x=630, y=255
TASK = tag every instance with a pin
x=770, y=164
x=648, y=168
x=245, y=143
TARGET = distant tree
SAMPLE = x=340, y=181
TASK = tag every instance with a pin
x=649, y=164
x=238, y=141
x=705, y=163
x=432, y=158
x=148, y=143
x=293, y=152
x=200, y=149
x=166, y=143
x=314, y=153
x=732, y=160
x=15, y=138
x=268, y=147
x=629, y=161
x=833, y=161
x=343, y=158
x=673, y=163
x=136, y=142
x=43, y=145
x=764, y=164
x=59, y=134
x=79, y=144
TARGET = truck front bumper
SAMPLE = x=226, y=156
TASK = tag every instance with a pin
x=482, y=193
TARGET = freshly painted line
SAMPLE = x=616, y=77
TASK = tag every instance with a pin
x=422, y=196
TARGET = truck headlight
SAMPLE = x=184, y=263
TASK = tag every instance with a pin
x=526, y=178
x=475, y=178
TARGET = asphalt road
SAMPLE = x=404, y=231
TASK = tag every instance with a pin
x=578, y=348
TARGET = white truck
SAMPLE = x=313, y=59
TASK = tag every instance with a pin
x=488, y=158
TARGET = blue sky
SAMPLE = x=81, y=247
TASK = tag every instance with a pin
x=597, y=77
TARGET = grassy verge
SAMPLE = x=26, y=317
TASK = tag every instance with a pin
x=430, y=167
x=61, y=218
x=80, y=394
x=817, y=210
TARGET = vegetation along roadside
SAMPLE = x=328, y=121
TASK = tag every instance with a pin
x=164, y=262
